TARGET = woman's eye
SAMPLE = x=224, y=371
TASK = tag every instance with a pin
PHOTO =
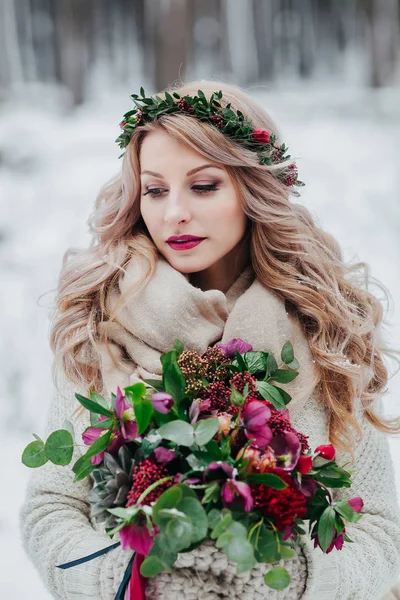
x=154, y=192
x=203, y=189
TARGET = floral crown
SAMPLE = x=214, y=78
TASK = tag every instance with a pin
x=211, y=111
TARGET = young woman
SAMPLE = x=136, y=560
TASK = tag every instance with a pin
x=250, y=263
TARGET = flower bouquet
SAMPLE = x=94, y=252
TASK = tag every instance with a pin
x=207, y=452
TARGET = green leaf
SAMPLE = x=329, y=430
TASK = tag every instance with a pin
x=272, y=394
x=163, y=552
x=178, y=431
x=287, y=353
x=240, y=551
x=272, y=365
x=277, y=578
x=178, y=533
x=99, y=399
x=240, y=361
x=143, y=410
x=157, y=384
x=326, y=526
x=135, y=392
x=105, y=424
x=93, y=406
x=284, y=375
x=37, y=437
x=34, y=455
x=236, y=398
x=99, y=445
x=256, y=362
x=69, y=427
x=205, y=430
x=150, y=443
x=59, y=447
x=224, y=519
x=168, y=499
x=169, y=99
x=344, y=509
x=173, y=379
x=82, y=468
x=151, y=566
x=294, y=364
x=142, y=92
x=176, y=95
x=178, y=346
x=268, y=479
x=265, y=545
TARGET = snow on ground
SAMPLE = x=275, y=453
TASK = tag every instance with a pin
x=52, y=164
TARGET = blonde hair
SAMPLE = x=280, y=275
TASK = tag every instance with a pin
x=290, y=254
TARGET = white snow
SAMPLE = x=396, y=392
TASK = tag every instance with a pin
x=52, y=164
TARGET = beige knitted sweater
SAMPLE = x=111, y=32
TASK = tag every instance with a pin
x=55, y=518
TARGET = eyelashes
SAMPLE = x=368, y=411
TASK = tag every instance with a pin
x=198, y=189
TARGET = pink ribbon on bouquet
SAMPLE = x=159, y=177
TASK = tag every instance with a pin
x=137, y=584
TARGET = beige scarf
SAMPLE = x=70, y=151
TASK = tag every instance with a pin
x=171, y=307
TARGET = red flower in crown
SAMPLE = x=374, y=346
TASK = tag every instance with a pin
x=261, y=136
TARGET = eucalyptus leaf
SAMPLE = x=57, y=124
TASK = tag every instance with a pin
x=204, y=430
x=34, y=455
x=59, y=447
x=277, y=578
x=178, y=431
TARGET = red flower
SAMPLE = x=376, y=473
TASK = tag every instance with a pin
x=261, y=136
x=304, y=464
x=122, y=124
x=328, y=451
x=282, y=506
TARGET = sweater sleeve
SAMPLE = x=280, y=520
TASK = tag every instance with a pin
x=366, y=569
x=55, y=524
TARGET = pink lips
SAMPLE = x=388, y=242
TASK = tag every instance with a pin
x=185, y=245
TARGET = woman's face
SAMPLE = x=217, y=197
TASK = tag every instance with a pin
x=182, y=193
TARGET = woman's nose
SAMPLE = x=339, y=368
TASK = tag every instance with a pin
x=177, y=209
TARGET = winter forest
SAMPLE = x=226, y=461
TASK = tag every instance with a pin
x=328, y=72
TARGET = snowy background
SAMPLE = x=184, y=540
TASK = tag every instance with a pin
x=56, y=152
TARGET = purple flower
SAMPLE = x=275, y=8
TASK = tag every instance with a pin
x=337, y=542
x=125, y=415
x=237, y=495
x=164, y=455
x=194, y=411
x=356, y=504
x=126, y=431
x=137, y=537
x=162, y=402
x=287, y=450
x=254, y=420
x=218, y=471
x=229, y=349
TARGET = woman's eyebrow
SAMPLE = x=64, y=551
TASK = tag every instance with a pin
x=191, y=172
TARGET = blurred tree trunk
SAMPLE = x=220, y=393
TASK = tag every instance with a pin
x=72, y=33
x=383, y=37
x=169, y=27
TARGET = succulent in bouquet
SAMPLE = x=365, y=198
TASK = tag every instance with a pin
x=207, y=452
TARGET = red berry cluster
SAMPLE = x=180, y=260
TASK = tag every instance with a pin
x=219, y=395
x=184, y=106
x=218, y=121
x=144, y=474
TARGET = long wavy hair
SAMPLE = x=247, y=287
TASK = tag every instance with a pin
x=290, y=254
